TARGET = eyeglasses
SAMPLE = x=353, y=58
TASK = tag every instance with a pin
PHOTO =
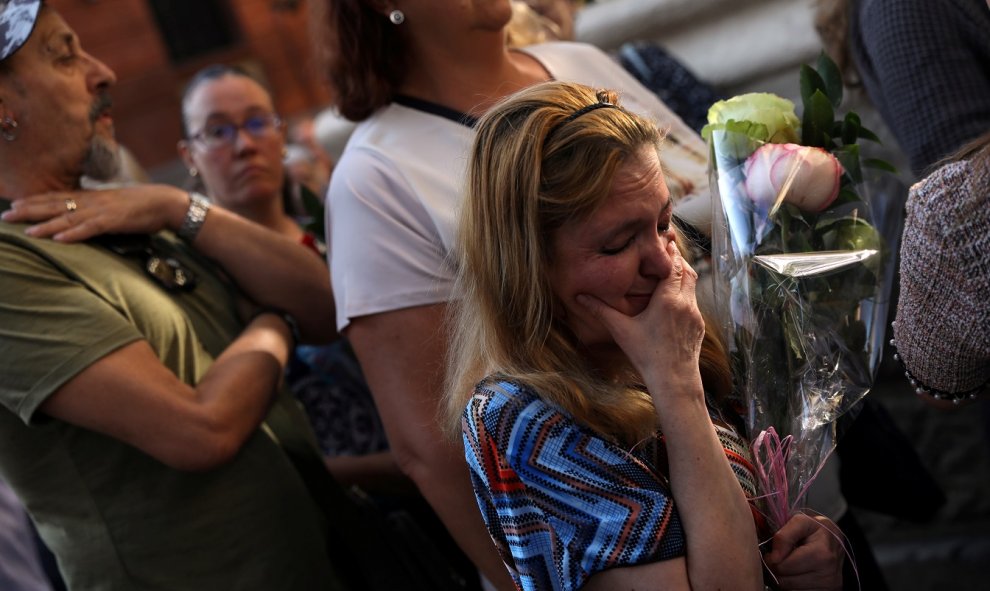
x=165, y=270
x=218, y=135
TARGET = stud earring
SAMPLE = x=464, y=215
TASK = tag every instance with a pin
x=8, y=129
x=193, y=172
x=397, y=17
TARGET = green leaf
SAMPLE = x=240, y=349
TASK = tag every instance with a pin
x=810, y=82
x=794, y=229
x=827, y=239
x=849, y=158
x=706, y=131
x=831, y=78
x=847, y=195
x=879, y=164
x=756, y=131
x=851, y=127
x=866, y=134
x=818, y=118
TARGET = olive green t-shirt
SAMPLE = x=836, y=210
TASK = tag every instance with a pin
x=115, y=517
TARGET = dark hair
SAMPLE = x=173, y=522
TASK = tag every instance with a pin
x=361, y=53
x=208, y=74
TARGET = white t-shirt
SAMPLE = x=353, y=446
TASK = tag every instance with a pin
x=395, y=193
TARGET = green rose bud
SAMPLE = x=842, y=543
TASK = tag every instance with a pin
x=857, y=234
x=852, y=234
x=772, y=117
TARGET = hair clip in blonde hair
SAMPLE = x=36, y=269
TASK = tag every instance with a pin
x=602, y=103
x=586, y=110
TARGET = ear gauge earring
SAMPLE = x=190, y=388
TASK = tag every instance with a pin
x=397, y=17
x=8, y=129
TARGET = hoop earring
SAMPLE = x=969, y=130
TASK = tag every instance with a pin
x=397, y=17
x=8, y=129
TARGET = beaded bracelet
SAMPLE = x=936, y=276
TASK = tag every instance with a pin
x=922, y=389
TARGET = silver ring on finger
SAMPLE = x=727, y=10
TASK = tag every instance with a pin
x=71, y=205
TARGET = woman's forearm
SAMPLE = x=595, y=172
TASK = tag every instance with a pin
x=272, y=269
x=709, y=500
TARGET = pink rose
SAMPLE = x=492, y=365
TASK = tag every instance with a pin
x=806, y=177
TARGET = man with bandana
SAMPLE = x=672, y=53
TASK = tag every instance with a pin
x=141, y=420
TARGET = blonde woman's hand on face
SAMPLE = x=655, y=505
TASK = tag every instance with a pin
x=663, y=342
x=74, y=216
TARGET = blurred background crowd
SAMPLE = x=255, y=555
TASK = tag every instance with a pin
x=691, y=53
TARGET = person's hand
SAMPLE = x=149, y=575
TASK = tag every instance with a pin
x=807, y=554
x=74, y=216
x=664, y=340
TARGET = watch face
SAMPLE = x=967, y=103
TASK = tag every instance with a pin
x=199, y=205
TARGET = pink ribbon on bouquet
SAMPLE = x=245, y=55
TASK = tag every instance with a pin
x=770, y=454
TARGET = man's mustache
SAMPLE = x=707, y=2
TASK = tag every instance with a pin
x=103, y=103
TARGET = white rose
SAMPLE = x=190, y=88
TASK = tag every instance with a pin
x=806, y=177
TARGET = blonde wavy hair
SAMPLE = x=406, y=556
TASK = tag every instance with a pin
x=532, y=168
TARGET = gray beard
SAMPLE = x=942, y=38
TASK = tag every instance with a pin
x=102, y=162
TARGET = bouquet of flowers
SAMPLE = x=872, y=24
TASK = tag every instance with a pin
x=800, y=271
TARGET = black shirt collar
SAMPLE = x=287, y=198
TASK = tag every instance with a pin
x=436, y=109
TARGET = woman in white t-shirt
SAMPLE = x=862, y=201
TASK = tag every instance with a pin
x=417, y=74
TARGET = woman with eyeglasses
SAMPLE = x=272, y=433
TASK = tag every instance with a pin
x=234, y=145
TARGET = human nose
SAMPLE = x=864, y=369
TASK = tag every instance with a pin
x=101, y=76
x=244, y=140
x=656, y=260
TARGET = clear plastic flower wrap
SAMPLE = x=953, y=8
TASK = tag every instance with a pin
x=802, y=273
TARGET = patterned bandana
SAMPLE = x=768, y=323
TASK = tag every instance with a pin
x=17, y=18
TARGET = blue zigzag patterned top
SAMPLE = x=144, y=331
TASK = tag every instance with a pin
x=561, y=502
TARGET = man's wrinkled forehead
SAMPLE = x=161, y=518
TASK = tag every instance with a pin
x=17, y=21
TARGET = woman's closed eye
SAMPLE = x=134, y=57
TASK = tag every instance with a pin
x=623, y=241
x=611, y=250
